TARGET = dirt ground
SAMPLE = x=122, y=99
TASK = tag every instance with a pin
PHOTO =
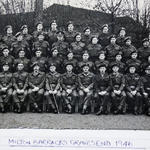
x=73, y=121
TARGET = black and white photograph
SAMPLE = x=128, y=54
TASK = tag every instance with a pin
x=75, y=64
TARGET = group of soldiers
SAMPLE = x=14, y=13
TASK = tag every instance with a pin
x=75, y=69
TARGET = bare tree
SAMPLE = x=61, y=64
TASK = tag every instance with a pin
x=109, y=6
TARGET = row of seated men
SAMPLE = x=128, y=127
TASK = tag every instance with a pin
x=111, y=93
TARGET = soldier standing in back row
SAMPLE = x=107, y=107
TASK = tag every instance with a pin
x=121, y=37
x=9, y=38
x=52, y=34
x=70, y=33
x=104, y=36
x=144, y=51
x=26, y=36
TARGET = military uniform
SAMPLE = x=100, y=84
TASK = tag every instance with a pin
x=9, y=60
x=135, y=62
x=145, y=89
x=69, y=36
x=77, y=49
x=5, y=88
x=41, y=61
x=133, y=84
x=8, y=40
x=53, y=84
x=69, y=82
x=144, y=52
x=86, y=62
x=25, y=61
x=111, y=51
x=104, y=39
x=121, y=38
x=94, y=51
x=127, y=50
x=86, y=81
x=101, y=84
x=57, y=60
x=62, y=48
x=44, y=45
x=72, y=61
x=52, y=37
x=118, y=99
x=20, y=84
x=16, y=46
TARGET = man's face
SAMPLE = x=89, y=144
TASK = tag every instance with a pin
x=105, y=30
x=20, y=67
x=55, y=52
x=113, y=40
x=115, y=68
x=146, y=44
x=134, y=55
x=38, y=53
x=5, y=52
x=102, y=69
x=86, y=69
x=69, y=68
x=41, y=37
x=94, y=40
x=70, y=55
x=118, y=57
x=132, y=69
x=70, y=27
x=9, y=31
x=5, y=68
x=52, y=68
x=40, y=27
x=19, y=38
x=21, y=54
x=85, y=56
x=87, y=32
x=78, y=38
x=102, y=56
x=147, y=71
x=53, y=26
x=25, y=31
x=128, y=42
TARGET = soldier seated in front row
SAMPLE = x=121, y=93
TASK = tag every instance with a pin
x=86, y=81
x=133, y=81
x=36, y=88
x=5, y=87
x=53, y=89
x=145, y=87
x=102, y=90
x=69, y=85
x=118, y=94
x=20, y=84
